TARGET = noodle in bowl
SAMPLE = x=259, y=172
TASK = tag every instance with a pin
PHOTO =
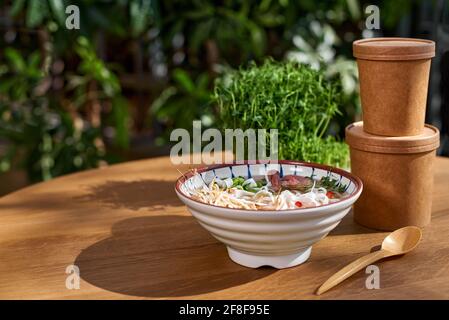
x=269, y=214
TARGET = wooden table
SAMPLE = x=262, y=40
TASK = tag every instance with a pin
x=130, y=236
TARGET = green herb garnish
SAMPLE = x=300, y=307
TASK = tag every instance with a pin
x=331, y=184
x=238, y=181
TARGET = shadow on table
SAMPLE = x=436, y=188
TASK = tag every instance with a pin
x=162, y=256
x=133, y=195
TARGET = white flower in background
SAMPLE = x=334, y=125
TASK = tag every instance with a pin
x=324, y=52
x=306, y=54
x=346, y=71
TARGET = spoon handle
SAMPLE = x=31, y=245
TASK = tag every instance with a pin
x=350, y=269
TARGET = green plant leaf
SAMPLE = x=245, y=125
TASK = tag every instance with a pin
x=121, y=121
x=141, y=14
x=36, y=13
x=354, y=9
x=16, y=7
x=58, y=9
x=202, y=81
x=200, y=34
x=183, y=79
x=258, y=38
x=15, y=59
x=33, y=60
x=202, y=12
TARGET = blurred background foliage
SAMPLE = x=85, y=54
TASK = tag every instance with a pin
x=114, y=89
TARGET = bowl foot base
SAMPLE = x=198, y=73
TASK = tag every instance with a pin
x=278, y=262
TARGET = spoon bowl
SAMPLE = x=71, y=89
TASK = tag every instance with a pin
x=396, y=243
x=402, y=240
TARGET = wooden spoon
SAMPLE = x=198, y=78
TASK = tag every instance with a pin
x=396, y=243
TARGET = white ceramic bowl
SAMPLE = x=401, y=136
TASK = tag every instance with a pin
x=280, y=239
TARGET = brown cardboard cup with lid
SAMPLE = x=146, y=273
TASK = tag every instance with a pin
x=394, y=77
x=397, y=176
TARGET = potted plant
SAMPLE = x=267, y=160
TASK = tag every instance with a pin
x=290, y=97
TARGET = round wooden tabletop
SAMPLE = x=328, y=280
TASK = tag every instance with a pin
x=130, y=237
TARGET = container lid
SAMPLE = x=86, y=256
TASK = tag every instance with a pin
x=393, y=49
x=358, y=139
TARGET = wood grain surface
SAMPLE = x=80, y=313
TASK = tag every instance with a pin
x=131, y=238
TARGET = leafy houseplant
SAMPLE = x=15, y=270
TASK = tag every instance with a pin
x=290, y=97
x=43, y=127
x=186, y=91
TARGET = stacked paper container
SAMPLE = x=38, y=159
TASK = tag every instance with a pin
x=393, y=150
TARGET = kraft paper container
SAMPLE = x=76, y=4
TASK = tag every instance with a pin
x=394, y=77
x=397, y=176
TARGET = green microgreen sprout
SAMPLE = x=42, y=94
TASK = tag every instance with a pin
x=290, y=97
